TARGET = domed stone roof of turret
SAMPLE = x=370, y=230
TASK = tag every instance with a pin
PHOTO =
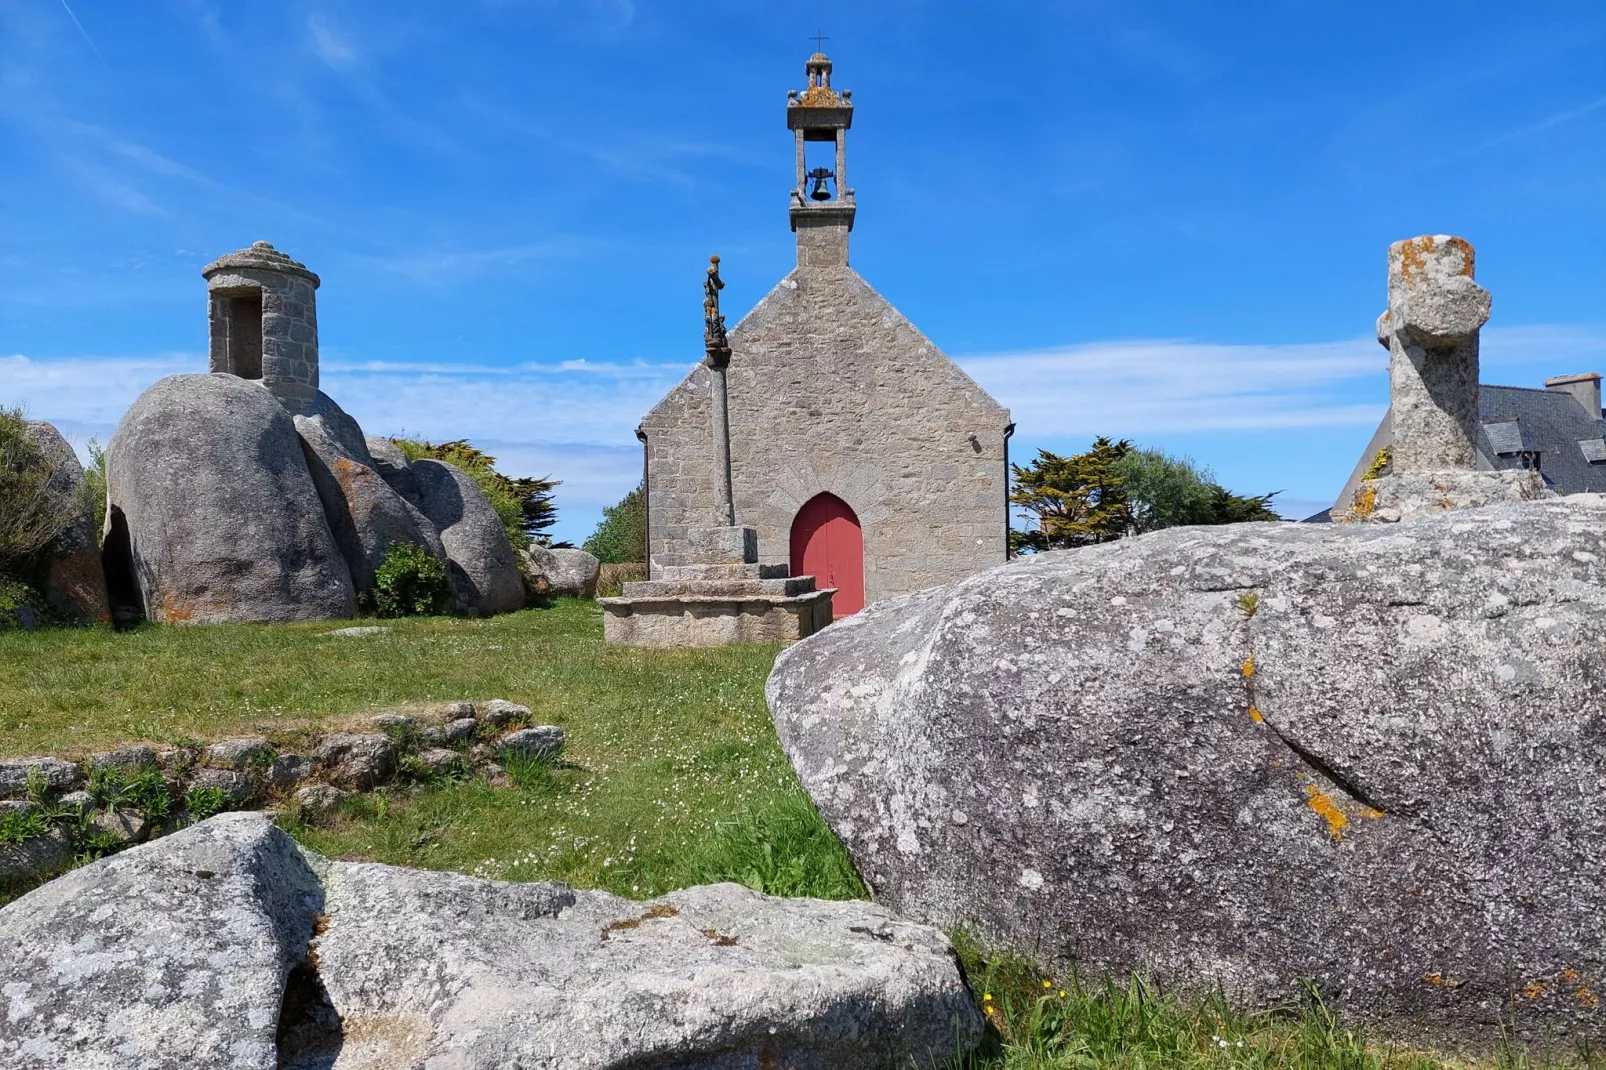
x=262, y=256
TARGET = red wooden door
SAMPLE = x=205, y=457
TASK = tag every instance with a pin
x=828, y=544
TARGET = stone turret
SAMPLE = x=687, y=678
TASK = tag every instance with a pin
x=263, y=321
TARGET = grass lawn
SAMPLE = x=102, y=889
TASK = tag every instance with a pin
x=671, y=776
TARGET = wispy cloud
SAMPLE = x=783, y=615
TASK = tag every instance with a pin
x=330, y=45
x=1137, y=387
x=1169, y=386
x=445, y=265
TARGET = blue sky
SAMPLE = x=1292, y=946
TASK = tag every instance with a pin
x=1166, y=221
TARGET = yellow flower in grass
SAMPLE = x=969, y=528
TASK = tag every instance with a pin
x=1048, y=984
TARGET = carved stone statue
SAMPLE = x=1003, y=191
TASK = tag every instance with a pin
x=714, y=338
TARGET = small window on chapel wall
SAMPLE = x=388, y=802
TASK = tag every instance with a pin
x=243, y=314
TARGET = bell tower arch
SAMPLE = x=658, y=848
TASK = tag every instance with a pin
x=822, y=201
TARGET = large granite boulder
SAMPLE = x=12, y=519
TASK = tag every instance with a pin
x=227, y=945
x=168, y=956
x=569, y=573
x=484, y=571
x=74, y=585
x=366, y=514
x=1371, y=756
x=391, y=464
x=214, y=512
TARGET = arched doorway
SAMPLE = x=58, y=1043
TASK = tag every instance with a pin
x=828, y=544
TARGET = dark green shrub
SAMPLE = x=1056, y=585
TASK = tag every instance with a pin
x=621, y=534
x=410, y=582
x=17, y=601
x=30, y=514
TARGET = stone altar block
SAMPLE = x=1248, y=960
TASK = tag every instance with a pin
x=714, y=592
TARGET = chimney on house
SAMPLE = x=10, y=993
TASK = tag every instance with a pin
x=1584, y=387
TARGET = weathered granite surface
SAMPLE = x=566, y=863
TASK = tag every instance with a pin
x=227, y=945
x=1367, y=755
x=1390, y=498
x=367, y=516
x=569, y=573
x=168, y=956
x=480, y=561
x=206, y=476
x=74, y=585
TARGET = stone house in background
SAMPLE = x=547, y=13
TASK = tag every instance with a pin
x=859, y=452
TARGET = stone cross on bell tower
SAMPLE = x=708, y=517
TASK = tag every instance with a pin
x=822, y=200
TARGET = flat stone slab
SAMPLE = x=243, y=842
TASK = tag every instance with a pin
x=714, y=619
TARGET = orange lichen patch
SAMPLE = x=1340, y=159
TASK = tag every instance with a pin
x=1567, y=976
x=1318, y=800
x=1249, y=667
x=619, y=926
x=657, y=910
x=1533, y=990
x=1466, y=254
x=819, y=96
x=79, y=578
x=1413, y=254
x=718, y=939
x=1256, y=716
x=176, y=609
x=1587, y=998
x=1440, y=980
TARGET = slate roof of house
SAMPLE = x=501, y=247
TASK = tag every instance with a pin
x=1519, y=421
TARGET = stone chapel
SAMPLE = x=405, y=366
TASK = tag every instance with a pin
x=859, y=452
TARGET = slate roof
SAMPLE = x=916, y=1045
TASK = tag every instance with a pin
x=1550, y=423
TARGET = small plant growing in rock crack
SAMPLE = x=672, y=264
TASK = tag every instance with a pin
x=202, y=803
x=1249, y=601
x=261, y=760
x=37, y=788
x=145, y=791
x=20, y=826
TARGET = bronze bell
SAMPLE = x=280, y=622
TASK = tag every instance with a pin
x=819, y=192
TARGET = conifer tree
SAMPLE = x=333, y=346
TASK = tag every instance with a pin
x=1076, y=501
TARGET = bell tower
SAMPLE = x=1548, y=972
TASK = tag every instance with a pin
x=822, y=201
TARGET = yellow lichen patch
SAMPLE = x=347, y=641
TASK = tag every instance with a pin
x=1440, y=980
x=1587, y=998
x=1318, y=800
x=1365, y=501
x=1533, y=990
x=1249, y=667
x=1255, y=715
x=1379, y=464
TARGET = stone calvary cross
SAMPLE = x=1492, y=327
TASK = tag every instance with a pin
x=716, y=345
